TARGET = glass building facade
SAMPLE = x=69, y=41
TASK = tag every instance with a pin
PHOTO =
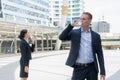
x=32, y=12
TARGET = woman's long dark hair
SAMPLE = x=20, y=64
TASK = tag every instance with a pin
x=22, y=33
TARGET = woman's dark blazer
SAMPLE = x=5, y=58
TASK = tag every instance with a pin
x=74, y=35
x=26, y=50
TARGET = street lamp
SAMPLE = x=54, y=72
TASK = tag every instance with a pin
x=15, y=40
x=62, y=22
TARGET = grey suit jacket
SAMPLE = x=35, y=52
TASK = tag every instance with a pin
x=74, y=35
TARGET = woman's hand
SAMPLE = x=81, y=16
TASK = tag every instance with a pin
x=26, y=69
x=32, y=39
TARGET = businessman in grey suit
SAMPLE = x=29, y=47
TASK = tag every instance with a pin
x=85, y=50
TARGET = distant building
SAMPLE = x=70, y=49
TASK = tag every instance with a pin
x=30, y=12
x=76, y=8
x=101, y=26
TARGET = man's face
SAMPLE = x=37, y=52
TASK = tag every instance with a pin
x=85, y=20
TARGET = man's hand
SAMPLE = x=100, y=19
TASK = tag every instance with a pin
x=76, y=23
x=102, y=77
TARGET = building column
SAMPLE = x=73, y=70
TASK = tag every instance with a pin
x=15, y=41
x=51, y=42
x=47, y=42
x=0, y=46
x=15, y=45
x=36, y=42
x=42, y=43
x=11, y=49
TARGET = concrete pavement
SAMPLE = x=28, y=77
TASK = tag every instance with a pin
x=51, y=66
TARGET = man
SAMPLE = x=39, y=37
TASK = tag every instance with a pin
x=85, y=50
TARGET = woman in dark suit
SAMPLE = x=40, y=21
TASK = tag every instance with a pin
x=25, y=50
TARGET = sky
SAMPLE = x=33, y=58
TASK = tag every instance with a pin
x=110, y=9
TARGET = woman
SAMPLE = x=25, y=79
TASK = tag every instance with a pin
x=25, y=50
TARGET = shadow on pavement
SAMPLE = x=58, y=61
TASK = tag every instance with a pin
x=8, y=72
x=115, y=76
x=38, y=57
x=51, y=72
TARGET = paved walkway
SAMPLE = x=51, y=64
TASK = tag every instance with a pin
x=51, y=66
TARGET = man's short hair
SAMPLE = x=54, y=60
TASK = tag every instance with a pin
x=89, y=14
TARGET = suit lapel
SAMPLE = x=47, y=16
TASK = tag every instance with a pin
x=92, y=37
x=80, y=34
x=93, y=42
x=25, y=41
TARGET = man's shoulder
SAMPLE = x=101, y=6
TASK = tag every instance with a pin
x=95, y=33
x=75, y=30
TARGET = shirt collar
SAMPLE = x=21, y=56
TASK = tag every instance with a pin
x=26, y=40
x=85, y=31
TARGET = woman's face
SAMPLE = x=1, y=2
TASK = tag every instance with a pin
x=27, y=35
